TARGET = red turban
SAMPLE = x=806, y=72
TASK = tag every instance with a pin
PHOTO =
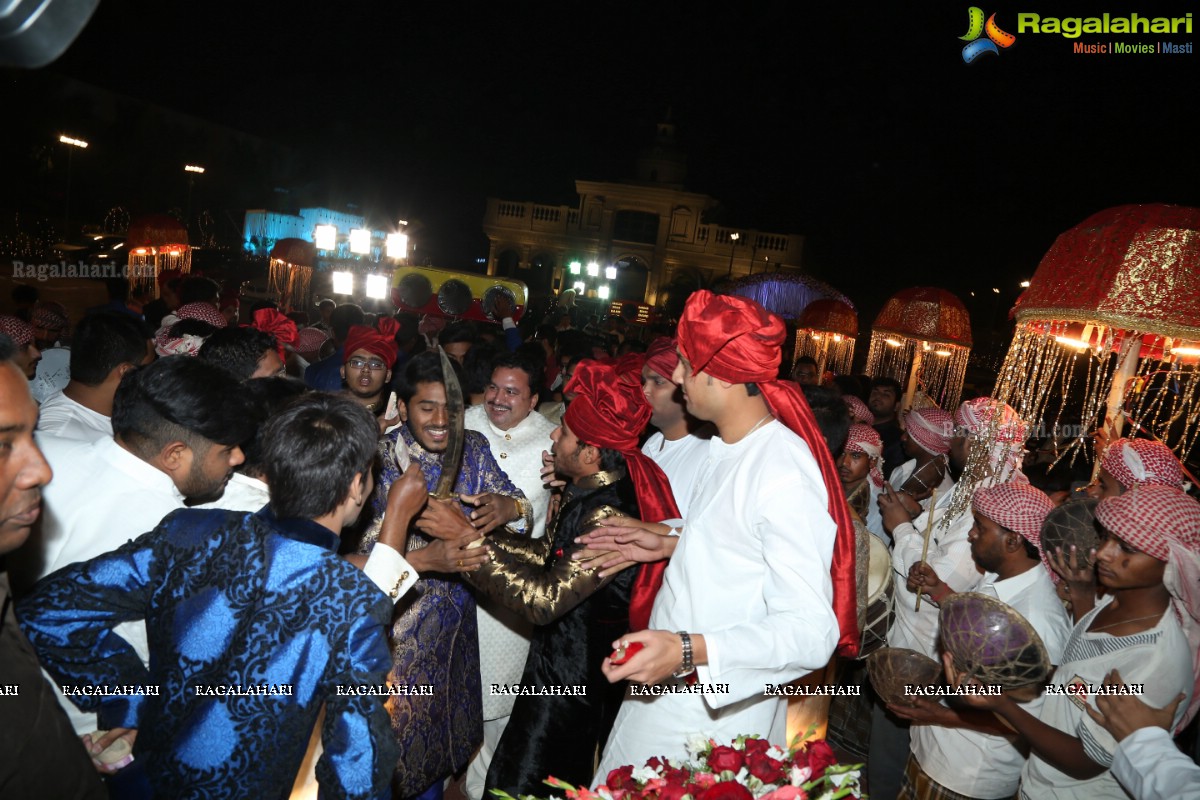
x=736, y=340
x=380, y=341
x=271, y=321
x=661, y=356
x=1018, y=507
x=611, y=412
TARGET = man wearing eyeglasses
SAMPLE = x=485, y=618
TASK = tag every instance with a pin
x=367, y=369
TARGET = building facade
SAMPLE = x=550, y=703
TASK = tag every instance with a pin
x=644, y=233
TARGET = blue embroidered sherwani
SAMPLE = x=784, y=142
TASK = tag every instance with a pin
x=435, y=638
x=230, y=600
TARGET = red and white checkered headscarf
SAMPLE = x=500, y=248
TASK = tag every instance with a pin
x=1164, y=523
x=1016, y=506
x=858, y=410
x=1134, y=462
x=979, y=415
x=309, y=341
x=50, y=315
x=203, y=312
x=931, y=428
x=866, y=440
x=20, y=331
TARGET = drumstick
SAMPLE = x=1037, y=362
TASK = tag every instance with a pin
x=925, y=549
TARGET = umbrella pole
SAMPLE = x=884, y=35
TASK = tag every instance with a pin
x=1114, y=417
x=824, y=353
x=911, y=392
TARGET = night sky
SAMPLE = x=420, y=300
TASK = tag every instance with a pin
x=860, y=127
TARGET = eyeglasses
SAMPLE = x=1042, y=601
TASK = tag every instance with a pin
x=373, y=365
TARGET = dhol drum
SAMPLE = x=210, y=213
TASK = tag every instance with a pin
x=880, y=590
x=893, y=669
x=990, y=641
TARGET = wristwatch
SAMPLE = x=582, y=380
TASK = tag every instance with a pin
x=687, y=667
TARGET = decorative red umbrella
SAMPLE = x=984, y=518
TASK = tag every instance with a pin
x=291, y=270
x=1122, y=290
x=826, y=331
x=156, y=242
x=922, y=334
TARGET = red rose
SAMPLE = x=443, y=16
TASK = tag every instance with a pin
x=655, y=763
x=726, y=790
x=756, y=746
x=672, y=792
x=676, y=776
x=725, y=758
x=765, y=768
x=816, y=756
x=703, y=780
x=786, y=793
x=621, y=778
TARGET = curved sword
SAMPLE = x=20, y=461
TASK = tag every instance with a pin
x=452, y=455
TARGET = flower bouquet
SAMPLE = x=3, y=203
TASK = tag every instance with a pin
x=747, y=769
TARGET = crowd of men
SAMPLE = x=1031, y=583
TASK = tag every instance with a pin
x=365, y=556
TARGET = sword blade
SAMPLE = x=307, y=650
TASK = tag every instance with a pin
x=452, y=456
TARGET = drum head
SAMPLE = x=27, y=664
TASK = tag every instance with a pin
x=990, y=641
x=893, y=668
x=879, y=574
x=1072, y=523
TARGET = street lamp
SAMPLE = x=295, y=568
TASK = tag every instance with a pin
x=733, y=240
x=192, y=170
x=71, y=142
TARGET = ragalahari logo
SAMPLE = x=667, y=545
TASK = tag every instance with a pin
x=976, y=27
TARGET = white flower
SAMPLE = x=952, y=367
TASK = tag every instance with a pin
x=776, y=753
x=696, y=744
x=743, y=773
x=800, y=775
x=644, y=774
x=838, y=778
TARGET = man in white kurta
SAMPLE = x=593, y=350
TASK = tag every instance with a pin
x=747, y=597
x=970, y=762
x=744, y=537
x=517, y=438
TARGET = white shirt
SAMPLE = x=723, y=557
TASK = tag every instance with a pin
x=1159, y=659
x=681, y=460
x=980, y=764
x=950, y=557
x=101, y=497
x=62, y=417
x=1150, y=766
x=504, y=635
x=751, y=574
x=53, y=373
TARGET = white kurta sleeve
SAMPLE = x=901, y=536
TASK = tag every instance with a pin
x=1150, y=767
x=388, y=570
x=949, y=551
x=796, y=630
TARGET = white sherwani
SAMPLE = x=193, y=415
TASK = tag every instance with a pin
x=504, y=636
x=751, y=574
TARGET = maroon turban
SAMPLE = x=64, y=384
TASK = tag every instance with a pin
x=736, y=340
x=609, y=411
x=380, y=341
x=661, y=356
